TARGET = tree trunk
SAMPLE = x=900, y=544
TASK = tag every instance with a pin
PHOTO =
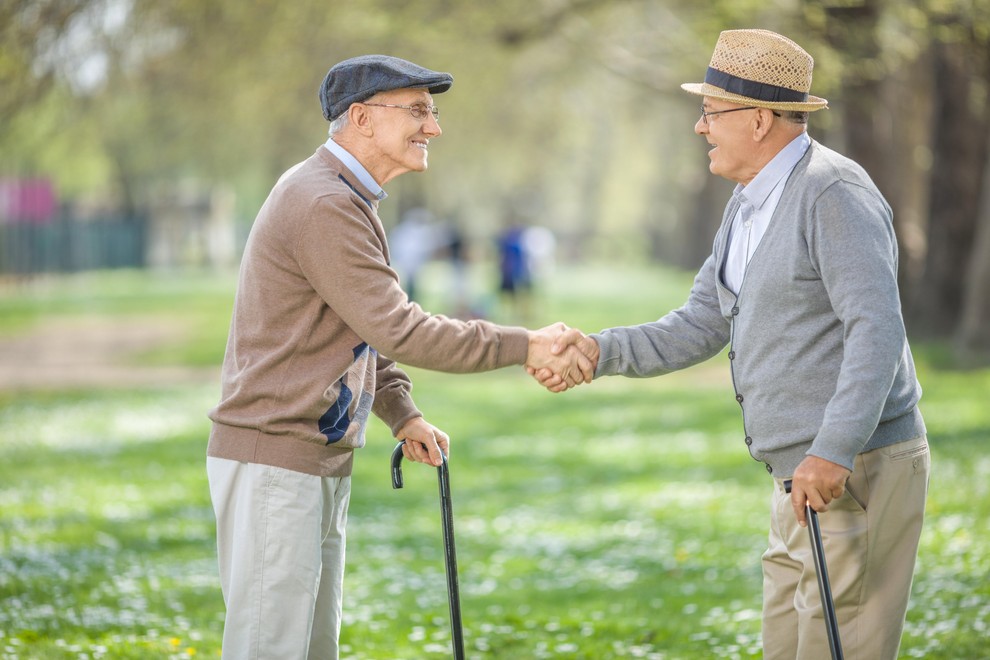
x=868, y=126
x=908, y=91
x=881, y=117
x=960, y=144
x=973, y=337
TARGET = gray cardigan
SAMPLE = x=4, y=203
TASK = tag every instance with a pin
x=819, y=358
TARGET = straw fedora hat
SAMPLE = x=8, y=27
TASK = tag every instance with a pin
x=760, y=68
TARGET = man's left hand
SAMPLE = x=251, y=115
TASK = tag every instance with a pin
x=817, y=482
x=424, y=442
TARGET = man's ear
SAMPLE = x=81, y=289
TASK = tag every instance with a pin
x=763, y=123
x=359, y=117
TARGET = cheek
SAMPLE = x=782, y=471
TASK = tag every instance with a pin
x=727, y=150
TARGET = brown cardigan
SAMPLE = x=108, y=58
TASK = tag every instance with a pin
x=316, y=313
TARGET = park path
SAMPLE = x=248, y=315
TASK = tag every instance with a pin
x=92, y=352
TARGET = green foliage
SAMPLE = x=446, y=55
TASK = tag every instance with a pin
x=623, y=519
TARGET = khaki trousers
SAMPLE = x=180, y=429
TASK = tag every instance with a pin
x=870, y=535
x=280, y=545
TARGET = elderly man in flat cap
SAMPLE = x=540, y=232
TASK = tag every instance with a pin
x=802, y=287
x=319, y=323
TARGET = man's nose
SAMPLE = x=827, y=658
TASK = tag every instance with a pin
x=432, y=126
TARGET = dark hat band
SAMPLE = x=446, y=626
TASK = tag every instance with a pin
x=752, y=89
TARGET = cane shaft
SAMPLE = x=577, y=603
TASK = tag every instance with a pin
x=824, y=587
x=450, y=555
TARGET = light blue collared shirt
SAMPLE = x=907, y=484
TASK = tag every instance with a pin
x=757, y=203
x=357, y=169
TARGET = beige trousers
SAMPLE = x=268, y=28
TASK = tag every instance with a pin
x=870, y=535
x=280, y=544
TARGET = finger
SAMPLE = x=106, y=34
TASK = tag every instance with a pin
x=432, y=450
x=572, y=374
x=411, y=450
x=838, y=491
x=587, y=369
x=539, y=375
x=798, y=501
x=567, y=338
x=443, y=442
x=817, y=499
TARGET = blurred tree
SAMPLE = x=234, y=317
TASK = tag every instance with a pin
x=31, y=31
x=569, y=109
x=973, y=336
x=961, y=134
x=914, y=80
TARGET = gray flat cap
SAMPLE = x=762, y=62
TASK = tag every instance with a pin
x=360, y=78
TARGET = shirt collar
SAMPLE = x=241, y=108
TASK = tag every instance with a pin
x=756, y=193
x=357, y=169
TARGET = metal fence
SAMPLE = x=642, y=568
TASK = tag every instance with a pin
x=66, y=245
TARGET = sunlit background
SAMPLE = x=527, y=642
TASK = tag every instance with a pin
x=137, y=132
x=138, y=139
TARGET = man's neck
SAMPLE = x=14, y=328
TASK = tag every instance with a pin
x=772, y=145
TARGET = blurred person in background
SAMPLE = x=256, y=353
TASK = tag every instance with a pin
x=514, y=276
x=319, y=321
x=802, y=287
x=413, y=242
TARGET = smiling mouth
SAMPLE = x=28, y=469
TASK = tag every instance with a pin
x=422, y=145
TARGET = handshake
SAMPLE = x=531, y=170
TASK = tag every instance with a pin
x=560, y=358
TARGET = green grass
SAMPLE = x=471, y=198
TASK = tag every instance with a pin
x=624, y=519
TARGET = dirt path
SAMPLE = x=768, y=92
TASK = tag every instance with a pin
x=95, y=352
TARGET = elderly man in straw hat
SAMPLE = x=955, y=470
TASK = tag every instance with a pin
x=802, y=287
x=319, y=320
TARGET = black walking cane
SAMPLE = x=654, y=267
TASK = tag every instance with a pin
x=447, y=516
x=824, y=588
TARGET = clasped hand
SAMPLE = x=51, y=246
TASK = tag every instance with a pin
x=560, y=358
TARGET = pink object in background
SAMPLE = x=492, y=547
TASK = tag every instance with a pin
x=27, y=201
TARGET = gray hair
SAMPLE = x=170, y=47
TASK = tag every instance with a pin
x=795, y=116
x=338, y=124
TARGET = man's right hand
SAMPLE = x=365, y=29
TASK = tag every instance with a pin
x=570, y=344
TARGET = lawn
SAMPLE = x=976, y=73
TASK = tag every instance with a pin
x=621, y=520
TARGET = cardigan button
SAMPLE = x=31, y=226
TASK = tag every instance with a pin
x=739, y=398
x=749, y=441
x=732, y=355
x=735, y=311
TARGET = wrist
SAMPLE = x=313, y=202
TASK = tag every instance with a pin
x=532, y=340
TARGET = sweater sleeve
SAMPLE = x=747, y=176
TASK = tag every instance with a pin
x=852, y=244
x=684, y=337
x=393, y=396
x=341, y=250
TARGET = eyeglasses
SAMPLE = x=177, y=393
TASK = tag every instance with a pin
x=418, y=110
x=705, y=114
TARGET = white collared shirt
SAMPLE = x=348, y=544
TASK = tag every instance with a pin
x=757, y=203
x=356, y=168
